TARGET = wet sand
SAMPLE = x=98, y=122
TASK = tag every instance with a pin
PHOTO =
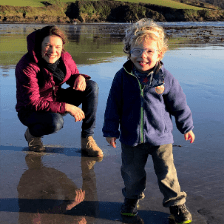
x=36, y=188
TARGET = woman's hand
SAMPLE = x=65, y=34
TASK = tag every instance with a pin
x=76, y=112
x=80, y=83
x=189, y=136
x=111, y=141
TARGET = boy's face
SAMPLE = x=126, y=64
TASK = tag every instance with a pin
x=145, y=55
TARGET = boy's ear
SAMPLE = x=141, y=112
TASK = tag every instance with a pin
x=160, y=55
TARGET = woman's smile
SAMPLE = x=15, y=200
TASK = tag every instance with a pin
x=51, y=48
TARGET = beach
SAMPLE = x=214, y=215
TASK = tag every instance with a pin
x=33, y=185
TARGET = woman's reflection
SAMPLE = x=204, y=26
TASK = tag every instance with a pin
x=47, y=195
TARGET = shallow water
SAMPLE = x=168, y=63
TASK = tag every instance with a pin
x=199, y=68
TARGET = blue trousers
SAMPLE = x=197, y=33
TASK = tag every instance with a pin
x=133, y=172
x=42, y=123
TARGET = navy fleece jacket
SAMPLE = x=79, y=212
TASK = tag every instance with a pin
x=138, y=114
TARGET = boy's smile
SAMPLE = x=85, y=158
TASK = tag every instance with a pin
x=145, y=55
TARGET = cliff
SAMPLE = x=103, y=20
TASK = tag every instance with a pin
x=103, y=11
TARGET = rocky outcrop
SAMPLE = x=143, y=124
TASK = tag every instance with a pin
x=103, y=11
x=110, y=11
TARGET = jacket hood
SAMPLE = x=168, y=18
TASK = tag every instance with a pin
x=31, y=43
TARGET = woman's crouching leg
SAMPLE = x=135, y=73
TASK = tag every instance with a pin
x=42, y=123
x=89, y=107
x=39, y=124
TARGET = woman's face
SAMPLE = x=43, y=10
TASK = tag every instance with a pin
x=51, y=48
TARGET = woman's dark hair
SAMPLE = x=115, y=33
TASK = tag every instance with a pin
x=48, y=31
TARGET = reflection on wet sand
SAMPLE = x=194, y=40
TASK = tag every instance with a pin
x=46, y=195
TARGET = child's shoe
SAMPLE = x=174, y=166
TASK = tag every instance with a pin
x=181, y=214
x=142, y=196
x=129, y=207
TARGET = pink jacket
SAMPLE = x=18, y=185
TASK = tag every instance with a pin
x=29, y=93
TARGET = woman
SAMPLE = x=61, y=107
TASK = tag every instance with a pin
x=41, y=102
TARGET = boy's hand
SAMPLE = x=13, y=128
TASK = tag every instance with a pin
x=111, y=141
x=189, y=136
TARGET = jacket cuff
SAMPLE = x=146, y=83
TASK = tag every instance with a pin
x=57, y=107
x=62, y=109
x=85, y=76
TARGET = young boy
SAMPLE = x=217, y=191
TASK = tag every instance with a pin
x=142, y=98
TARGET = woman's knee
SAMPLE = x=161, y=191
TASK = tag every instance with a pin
x=56, y=123
x=93, y=86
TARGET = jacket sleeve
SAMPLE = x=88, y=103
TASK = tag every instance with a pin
x=113, y=109
x=74, y=70
x=28, y=91
x=176, y=104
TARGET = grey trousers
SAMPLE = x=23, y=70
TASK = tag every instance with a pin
x=133, y=172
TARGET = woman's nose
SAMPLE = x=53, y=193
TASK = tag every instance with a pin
x=53, y=49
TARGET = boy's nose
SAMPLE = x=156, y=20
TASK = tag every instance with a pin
x=144, y=54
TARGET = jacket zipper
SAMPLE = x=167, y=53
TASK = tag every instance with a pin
x=142, y=114
x=142, y=110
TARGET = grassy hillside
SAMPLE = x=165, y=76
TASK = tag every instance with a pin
x=33, y=3
x=37, y=3
x=84, y=11
x=166, y=3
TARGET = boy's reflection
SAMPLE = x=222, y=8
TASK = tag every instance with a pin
x=47, y=195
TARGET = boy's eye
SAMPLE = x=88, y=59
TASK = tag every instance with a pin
x=149, y=51
x=139, y=51
x=136, y=51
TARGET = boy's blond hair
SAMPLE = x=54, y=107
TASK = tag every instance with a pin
x=143, y=30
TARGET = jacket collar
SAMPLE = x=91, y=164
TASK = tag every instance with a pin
x=128, y=66
x=157, y=75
